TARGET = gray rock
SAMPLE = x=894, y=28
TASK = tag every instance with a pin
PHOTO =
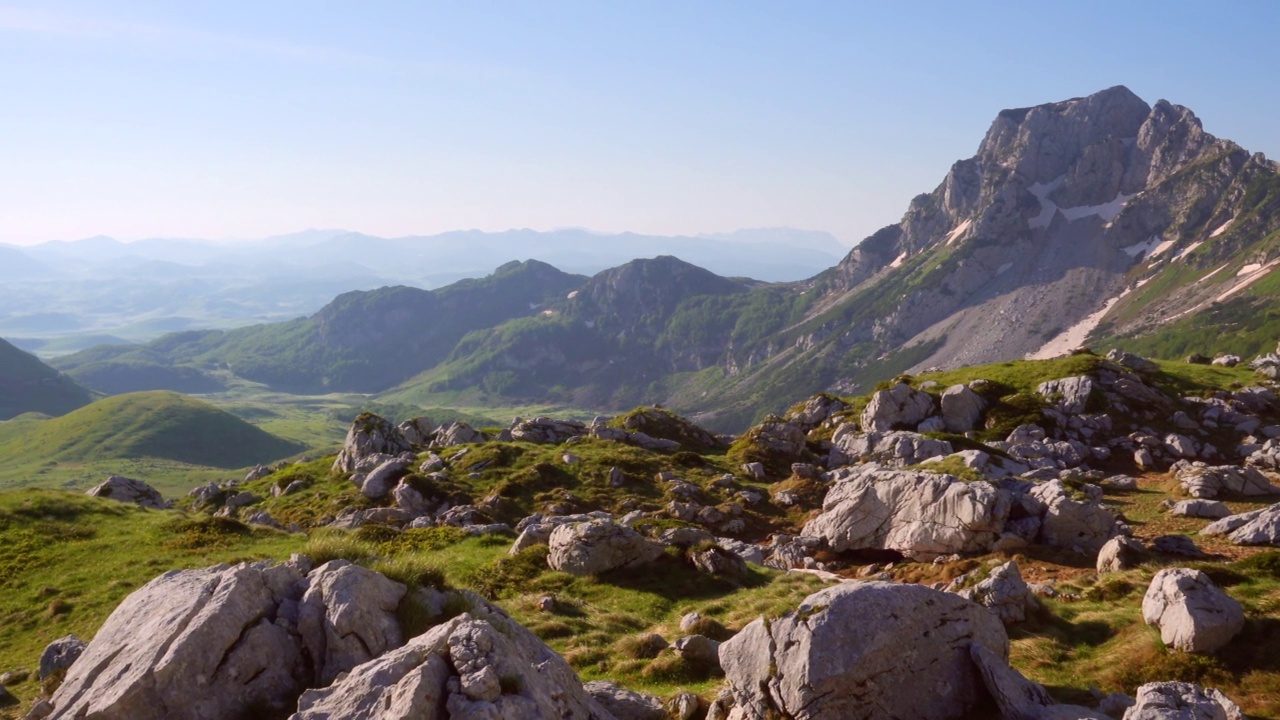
x=378, y=483
x=598, y=546
x=1125, y=483
x=1210, y=509
x=962, y=409
x=59, y=655
x=1017, y=697
x=897, y=408
x=1203, y=481
x=1069, y=522
x=128, y=490
x=1181, y=701
x=901, y=649
x=919, y=514
x=1004, y=593
x=1120, y=553
x=698, y=650
x=1227, y=360
x=457, y=433
x=1069, y=395
x=1257, y=527
x=625, y=704
x=897, y=449
x=1176, y=545
x=347, y=616
x=192, y=643
x=718, y=561
x=479, y=665
x=754, y=470
x=418, y=431
x=1136, y=363
x=546, y=430
x=1193, y=614
x=368, y=435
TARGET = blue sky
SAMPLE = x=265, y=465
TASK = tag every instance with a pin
x=246, y=119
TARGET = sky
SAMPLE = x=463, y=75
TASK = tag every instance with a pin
x=248, y=119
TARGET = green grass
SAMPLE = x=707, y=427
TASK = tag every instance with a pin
x=28, y=385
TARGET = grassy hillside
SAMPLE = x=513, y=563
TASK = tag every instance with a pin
x=156, y=426
x=28, y=385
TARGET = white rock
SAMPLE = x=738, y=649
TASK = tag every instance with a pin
x=1193, y=614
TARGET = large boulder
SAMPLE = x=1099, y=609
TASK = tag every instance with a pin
x=863, y=650
x=920, y=514
x=1181, y=701
x=347, y=616
x=369, y=434
x=1256, y=527
x=899, y=407
x=1069, y=395
x=128, y=490
x=625, y=704
x=209, y=643
x=1193, y=614
x=1072, y=519
x=962, y=408
x=457, y=433
x=479, y=665
x=1004, y=592
x=418, y=431
x=1017, y=697
x=1211, y=509
x=599, y=546
x=546, y=430
x=1203, y=481
x=378, y=483
x=898, y=448
x=60, y=655
x=1120, y=553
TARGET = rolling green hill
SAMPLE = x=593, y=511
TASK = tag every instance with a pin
x=28, y=385
x=159, y=425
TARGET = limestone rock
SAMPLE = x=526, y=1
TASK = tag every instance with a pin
x=1004, y=592
x=457, y=433
x=1200, y=509
x=128, y=490
x=1137, y=363
x=860, y=650
x=919, y=514
x=625, y=704
x=962, y=409
x=898, y=448
x=1017, y=697
x=1069, y=395
x=60, y=655
x=1181, y=701
x=1120, y=553
x=191, y=644
x=479, y=665
x=378, y=483
x=546, y=430
x=1203, y=481
x=698, y=650
x=896, y=408
x=1070, y=522
x=599, y=546
x=1193, y=614
x=369, y=435
x=1256, y=527
x=347, y=616
x=418, y=431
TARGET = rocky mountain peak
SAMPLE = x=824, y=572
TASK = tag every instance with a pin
x=646, y=290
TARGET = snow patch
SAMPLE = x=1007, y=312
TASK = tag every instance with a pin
x=955, y=234
x=1074, y=336
x=1190, y=249
x=1143, y=247
x=1215, y=272
x=1249, y=269
x=1047, y=207
x=1222, y=229
x=1107, y=211
x=897, y=262
x=1259, y=272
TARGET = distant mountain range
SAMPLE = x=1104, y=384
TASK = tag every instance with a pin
x=77, y=292
x=1099, y=220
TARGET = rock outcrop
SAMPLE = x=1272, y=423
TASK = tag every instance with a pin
x=861, y=650
x=898, y=408
x=919, y=514
x=128, y=490
x=1003, y=592
x=369, y=435
x=1181, y=701
x=599, y=546
x=1193, y=614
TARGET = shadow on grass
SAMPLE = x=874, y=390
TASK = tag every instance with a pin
x=674, y=580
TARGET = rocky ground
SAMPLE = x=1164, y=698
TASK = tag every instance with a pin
x=1085, y=537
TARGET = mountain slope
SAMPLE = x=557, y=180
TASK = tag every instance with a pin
x=28, y=385
x=145, y=425
x=360, y=342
